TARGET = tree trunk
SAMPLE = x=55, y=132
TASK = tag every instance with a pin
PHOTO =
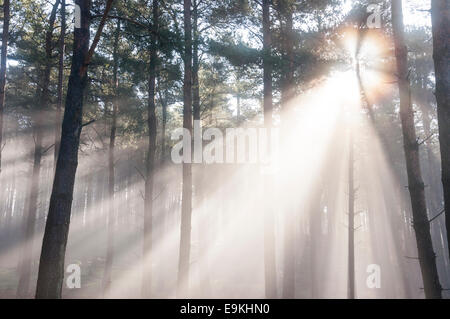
x=440, y=12
x=195, y=64
x=351, y=222
x=38, y=127
x=60, y=87
x=3, y=54
x=186, y=205
x=163, y=128
x=51, y=266
x=286, y=96
x=270, y=281
x=111, y=169
x=427, y=257
x=150, y=161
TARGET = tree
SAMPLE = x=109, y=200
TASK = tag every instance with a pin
x=186, y=206
x=51, y=265
x=351, y=293
x=111, y=163
x=3, y=56
x=427, y=257
x=440, y=12
x=285, y=9
x=269, y=237
x=38, y=131
x=150, y=161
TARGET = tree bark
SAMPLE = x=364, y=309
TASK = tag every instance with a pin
x=3, y=56
x=186, y=205
x=440, y=12
x=111, y=169
x=51, y=266
x=150, y=161
x=427, y=257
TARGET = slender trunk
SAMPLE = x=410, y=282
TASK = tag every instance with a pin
x=195, y=64
x=315, y=241
x=238, y=105
x=163, y=128
x=433, y=194
x=3, y=54
x=286, y=96
x=60, y=87
x=427, y=257
x=23, y=288
x=38, y=127
x=51, y=266
x=150, y=161
x=270, y=281
x=111, y=169
x=186, y=205
x=440, y=16
x=351, y=294
x=204, y=284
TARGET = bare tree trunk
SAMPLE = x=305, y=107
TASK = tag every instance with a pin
x=286, y=96
x=38, y=127
x=163, y=128
x=186, y=205
x=195, y=64
x=51, y=266
x=150, y=161
x=4, y=51
x=351, y=222
x=315, y=241
x=269, y=236
x=199, y=196
x=427, y=257
x=111, y=169
x=60, y=87
x=440, y=16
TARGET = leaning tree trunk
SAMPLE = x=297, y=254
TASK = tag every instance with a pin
x=51, y=266
x=440, y=16
x=427, y=257
x=38, y=127
x=186, y=205
x=3, y=54
x=111, y=169
x=60, y=87
x=269, y=235
x=150, y=161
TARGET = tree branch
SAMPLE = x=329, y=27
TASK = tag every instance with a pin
x=88, y=59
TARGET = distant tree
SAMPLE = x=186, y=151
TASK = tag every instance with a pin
x=186, y=205
x=38, y=116
x=151, y=151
